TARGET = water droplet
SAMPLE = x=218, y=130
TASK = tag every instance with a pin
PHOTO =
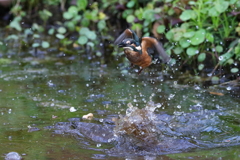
x=220, y=58
x=171, y=96
x=99, y=145
x=229, y=88
x=209, y=74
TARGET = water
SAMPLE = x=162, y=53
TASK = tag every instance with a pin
x=37, y=94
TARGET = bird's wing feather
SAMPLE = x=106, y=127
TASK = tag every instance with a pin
x=126, y=34
x=149, y=42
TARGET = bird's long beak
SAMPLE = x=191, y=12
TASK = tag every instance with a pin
x=121, y=45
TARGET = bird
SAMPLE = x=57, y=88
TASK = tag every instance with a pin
x=141, y=51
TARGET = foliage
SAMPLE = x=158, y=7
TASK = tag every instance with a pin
x=206, y=29
x=195, y=32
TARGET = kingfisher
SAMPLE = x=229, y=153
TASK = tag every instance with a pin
x=141, y=51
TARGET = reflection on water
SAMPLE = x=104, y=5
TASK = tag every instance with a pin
x=38, y=95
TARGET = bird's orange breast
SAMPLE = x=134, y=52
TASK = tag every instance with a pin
x=143, y=60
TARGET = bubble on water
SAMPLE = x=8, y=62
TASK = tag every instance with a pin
x=175, y=82
x=177, y=113
x=178, y=106
x=171, y=96
x=72, y=109
x=99, y=145
x=197, y=88
x=13, y=156
x=229, y=88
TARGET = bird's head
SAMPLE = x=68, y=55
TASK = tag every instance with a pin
x=130, y=44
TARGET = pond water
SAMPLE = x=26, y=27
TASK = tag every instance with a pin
x=38, y=94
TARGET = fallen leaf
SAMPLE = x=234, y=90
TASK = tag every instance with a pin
x=217, y=93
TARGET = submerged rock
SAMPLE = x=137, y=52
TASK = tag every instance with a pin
x=143, y=132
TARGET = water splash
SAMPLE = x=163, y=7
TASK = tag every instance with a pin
x=138, y=127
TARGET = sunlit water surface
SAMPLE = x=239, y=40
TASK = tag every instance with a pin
x=36, y=94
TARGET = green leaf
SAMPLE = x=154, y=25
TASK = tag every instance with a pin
x=148, y=15
x=70, y=25
x=200, y=67
x=91, y=44
x=233, y=1
x=187, y=14
x=76, y=19
x=61, y=30
x=82, y=4
x=101, y=24
x=34, y=45
x=230, y=61
x=234, y=70
x=178, y=50
x=185, y=25
x=210, y=37
x=91, y=35
x=85, y=22
x=130, y=18
x=16, y=23
x=198, y=37
x=84, y=31
x=169, y=35
x=177, y=36
x=12, y=36
x=221, y=5
x=45, y=44
x=219, y=48
x=213, y=12
x=73, y=10
x=171, y=12
x=5, y=61
x=60, y=36
x=224, y=57
x=28, y=32
x=45, y=14
x=36, y=35
x=215, y=79
x=184, y=42
x=51, y=31
x=82, y=40
x=201, y=57
x=67, y=15
x=130, y=4
x=188, y=34
x=191, y=51
x=98, y=53
x=161, y=29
